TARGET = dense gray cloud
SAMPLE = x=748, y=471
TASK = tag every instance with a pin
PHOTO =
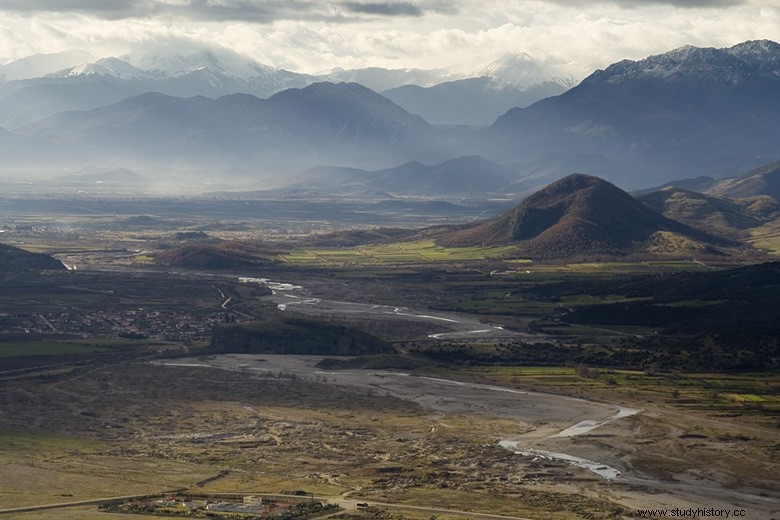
x=257, y=11
x=266, y=11
x=639, y=3
x=688, y=3
x=573, y=36
x=237, y=10
x=384, y=8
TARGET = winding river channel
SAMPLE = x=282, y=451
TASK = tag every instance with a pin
x=292, y=297
x=566, y=430
x=295, y=298
x=563, y=416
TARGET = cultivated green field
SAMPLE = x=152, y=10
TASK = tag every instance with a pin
x=766, y=237
x=751, y=396
x=424, y=251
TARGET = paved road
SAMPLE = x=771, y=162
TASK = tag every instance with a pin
x=352, y=504
x=91, y=502
x=345, y=503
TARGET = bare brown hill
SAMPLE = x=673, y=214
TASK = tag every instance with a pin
x=217, y=255
x=719, y=215
x=581, y=215
x=761, y=181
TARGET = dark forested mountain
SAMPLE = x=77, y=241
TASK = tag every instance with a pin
x=583, y=215
x=298, y=336
x=737, y=329
x=691, y=110
x=197, y=254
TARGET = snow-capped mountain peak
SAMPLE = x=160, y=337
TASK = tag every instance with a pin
x=519, y=70
x=224, y=63
x=732, y=65
x=762, y=54
x=39, y=65
x=107, y=67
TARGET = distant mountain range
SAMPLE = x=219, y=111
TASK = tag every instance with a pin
x=514, y=80
x=323, y=122
x=43, y=85
x=110, y=177
x=463, y=176
x=689, y=112
x=40, y=65
x=472, y=101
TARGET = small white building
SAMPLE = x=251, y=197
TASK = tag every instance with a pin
x=253, y=500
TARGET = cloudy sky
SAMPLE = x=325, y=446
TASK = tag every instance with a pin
x=315, y=35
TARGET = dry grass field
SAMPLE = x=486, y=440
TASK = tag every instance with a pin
x=136, y=428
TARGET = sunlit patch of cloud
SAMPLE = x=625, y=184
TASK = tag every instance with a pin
x=574, y=35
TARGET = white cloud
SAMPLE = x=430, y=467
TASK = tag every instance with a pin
x=311, y=36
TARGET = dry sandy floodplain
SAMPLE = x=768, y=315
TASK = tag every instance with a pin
x=589, y=438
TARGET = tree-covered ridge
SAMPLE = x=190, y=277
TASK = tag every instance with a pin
x=295, y=336
x=15, y=260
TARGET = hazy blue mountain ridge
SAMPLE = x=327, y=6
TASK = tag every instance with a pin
x=462, y=176
x=514, y=80
x=321, y=122
x=511, y=81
